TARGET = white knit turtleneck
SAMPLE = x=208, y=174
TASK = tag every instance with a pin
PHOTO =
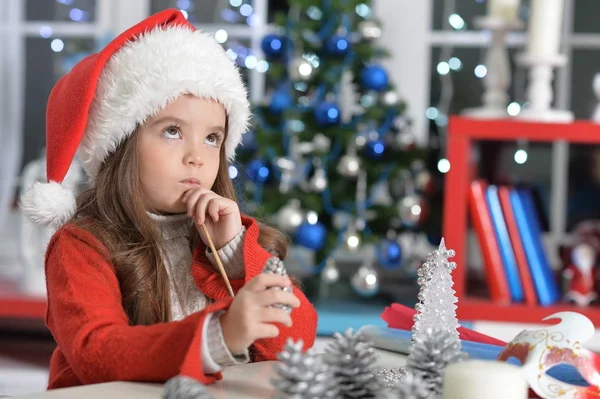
x=186, y=298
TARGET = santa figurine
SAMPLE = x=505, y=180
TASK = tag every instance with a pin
x=580, y=275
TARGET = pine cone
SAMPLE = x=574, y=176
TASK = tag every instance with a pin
x=430, y=355
x=413, y=387
x=182, y=387
x=274, y=265
x=302, y=375
x=351, y=358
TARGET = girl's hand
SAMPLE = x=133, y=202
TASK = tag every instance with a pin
x=251, y=314
x=221, y=215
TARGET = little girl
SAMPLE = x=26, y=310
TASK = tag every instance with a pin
x=132, y=291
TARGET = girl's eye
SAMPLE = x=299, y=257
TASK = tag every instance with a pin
x=172, y=132
x=213, y=139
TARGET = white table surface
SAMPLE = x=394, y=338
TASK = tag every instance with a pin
x=246, y=381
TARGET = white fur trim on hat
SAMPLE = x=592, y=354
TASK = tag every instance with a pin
x=148, y=73
x=48, y=204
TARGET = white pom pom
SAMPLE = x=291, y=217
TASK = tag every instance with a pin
x=48, y=204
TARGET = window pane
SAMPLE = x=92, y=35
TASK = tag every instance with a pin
x=467, y=9
x=586, y=16
x=60, y=10
x=584, y=184
x=240, y=50
x=209, y=11
x=43, y=67
x=467, y=86
x=584, y=66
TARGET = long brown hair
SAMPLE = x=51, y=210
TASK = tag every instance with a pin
x=114, y=211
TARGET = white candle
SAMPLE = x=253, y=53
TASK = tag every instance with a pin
x=506, y=10
x=545, y=23
x=476, y=379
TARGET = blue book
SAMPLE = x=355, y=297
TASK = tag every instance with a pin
x=545, y=284
x=504, y=244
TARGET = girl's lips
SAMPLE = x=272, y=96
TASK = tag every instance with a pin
x=191, y=182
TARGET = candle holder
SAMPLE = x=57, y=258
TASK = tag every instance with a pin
x=498, y=77
x=539, y=91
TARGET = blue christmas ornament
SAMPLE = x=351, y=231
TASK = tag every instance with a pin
x=338, y=45
x=327, y=113
x=258, y=170
x=389, y=254
x=272, y=45
x=374, y=77
x=375, y=148
x=311, y=236
x=280, y=101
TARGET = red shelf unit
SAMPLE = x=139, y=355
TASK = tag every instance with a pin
x=463, y=133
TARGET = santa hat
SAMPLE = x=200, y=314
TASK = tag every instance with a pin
x=101, y=101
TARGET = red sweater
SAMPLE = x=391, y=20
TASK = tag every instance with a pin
x=95, y=342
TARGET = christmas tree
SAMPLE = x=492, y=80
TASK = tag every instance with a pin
x=436, y=309
x=331, y=158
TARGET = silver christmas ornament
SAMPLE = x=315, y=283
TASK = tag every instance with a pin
x=290, y=216
x=424, y=181
x=287, y=167
x=321, y=143
x=351, y=358
x=410, y=209
x=182, y=387
x=349, y=165
x=360, y=140
x=401, y=184
x=401, y=123
x=369, y=99
x=300, y=69
x=330, y=273
x=390, y=98
x=302, y=375
x=274, y=265
x=406, y=140
x=369, y=29
x=365, y=281
x=380, y=194
x=318, y=182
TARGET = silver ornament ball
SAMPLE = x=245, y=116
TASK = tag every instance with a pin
x=331, y=273
x=365, y=281
x=321, y=143
x=300, y=69
x=406, y=140
x=318, y=183
x=410, y=210
x=390, y=98
x=369, y=29
x=290, y=216
x=349, y=165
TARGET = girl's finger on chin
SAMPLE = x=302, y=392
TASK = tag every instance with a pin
x=192, y=201
x=202, y=205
